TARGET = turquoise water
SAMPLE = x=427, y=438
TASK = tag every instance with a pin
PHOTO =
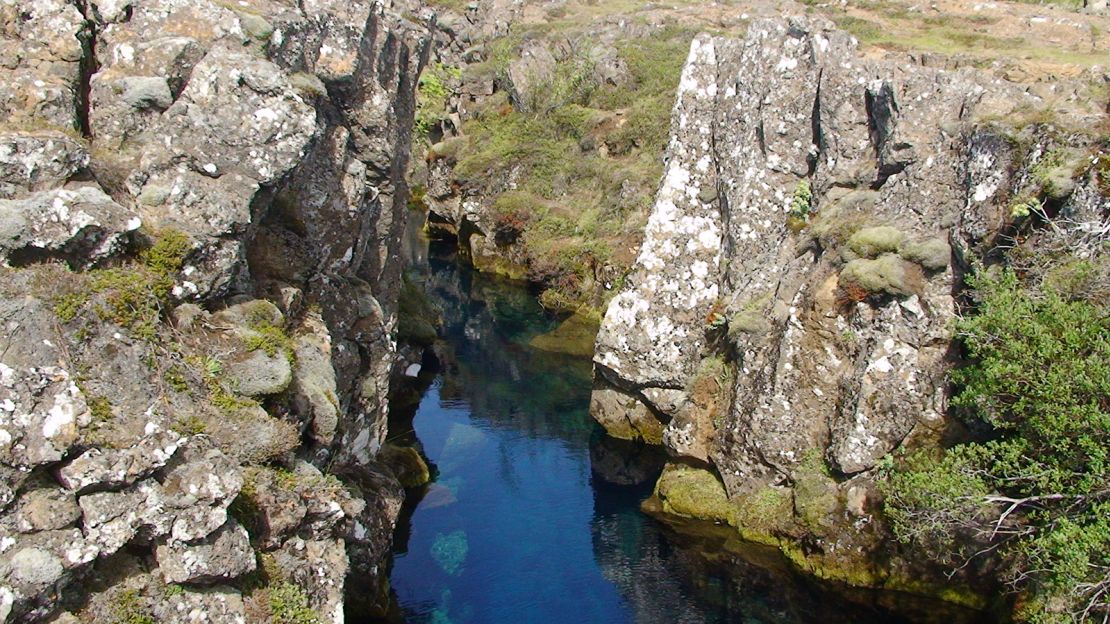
x=533, y=515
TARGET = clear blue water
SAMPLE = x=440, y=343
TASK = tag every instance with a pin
x=534, y=515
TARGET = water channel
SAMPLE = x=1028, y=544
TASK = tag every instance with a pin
x=534, y=515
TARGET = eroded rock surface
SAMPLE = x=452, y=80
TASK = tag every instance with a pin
x=789, y=321
x=200, y=214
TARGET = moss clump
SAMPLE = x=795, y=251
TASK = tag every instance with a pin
x=67, y=306
x=129, y=608
x=132, y=297
x=815, y=493
x=873, y=241
x=931, y=254
x=100, y=408
x=886, y=274
x=190, y=425
x=271, y=340
x=289, y=605
x=761, y=514
x=407, y=465
x=694, y=493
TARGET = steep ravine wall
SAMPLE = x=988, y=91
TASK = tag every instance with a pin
x=201, y=212
x=788, y=324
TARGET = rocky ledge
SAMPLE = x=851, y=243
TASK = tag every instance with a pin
x=201, y=207
x=788, y=324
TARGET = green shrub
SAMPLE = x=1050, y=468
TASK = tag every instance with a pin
x=801, y=203
x=433, y=92
x=1036, y=493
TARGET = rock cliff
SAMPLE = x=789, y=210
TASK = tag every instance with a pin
x=201, y=210
x=788, y=324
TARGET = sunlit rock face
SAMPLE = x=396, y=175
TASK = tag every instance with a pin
x=268, y=141
x=804, y=255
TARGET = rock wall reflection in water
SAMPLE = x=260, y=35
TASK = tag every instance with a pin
x=508, y=426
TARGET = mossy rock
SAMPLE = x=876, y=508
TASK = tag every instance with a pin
x=763, y=514
x=886, y=274
x=407, y=465
x=873, y=241
x=694, y=493
x=931, y=254
x=574, y=336
x=816, y=498
x=752, y=322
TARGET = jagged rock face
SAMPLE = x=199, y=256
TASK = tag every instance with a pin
x=272, y=138
x=811, y=230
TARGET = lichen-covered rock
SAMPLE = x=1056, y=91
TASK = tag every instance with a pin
x=273, y=140
x=319, y=568
x=315, y=396
x=845, y=195
x=82, y=225
x=43, y=44
x=46, y=509
x=38, y=161
x=223, y=555
x=259, y=373
x=201, y=606
x=114, y=468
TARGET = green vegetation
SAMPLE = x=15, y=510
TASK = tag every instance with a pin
x=586, y=158
x=134, y=296
x=1036, y=494
x=887, y=274
x=432, y=93
x=289, y=605
x=129, y=608
x=271, y=340
x=872, y=241
x=802, y=200
x=100, y=408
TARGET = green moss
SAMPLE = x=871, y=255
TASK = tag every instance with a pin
x=694, y=493
x=801, y=203
x=190, y=425
x=289, y=605
x=67, y=306
x=271, y=340
x=100, y=408
x=931, y=254
x=175, y=379
x=761, y=515
x=815, y=493
x=872, y=241
x=886, y=274
x=130, y=608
